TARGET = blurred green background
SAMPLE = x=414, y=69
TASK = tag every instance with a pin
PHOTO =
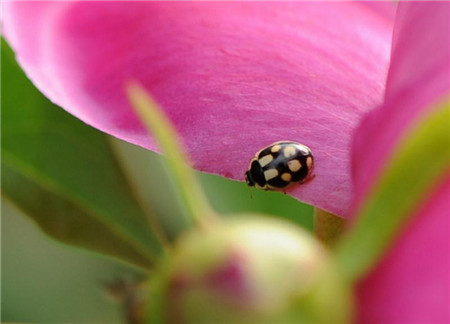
x=64, y=178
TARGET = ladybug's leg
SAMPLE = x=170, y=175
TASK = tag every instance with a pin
x=250, y=191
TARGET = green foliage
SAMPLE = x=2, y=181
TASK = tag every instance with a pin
x=44, y=282
x=63, y=174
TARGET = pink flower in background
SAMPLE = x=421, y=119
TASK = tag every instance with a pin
x=411, y=284
x=235, y=77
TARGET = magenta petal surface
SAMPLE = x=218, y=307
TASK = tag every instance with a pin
x=418, y=79
x=234, y=77
x=411, y=284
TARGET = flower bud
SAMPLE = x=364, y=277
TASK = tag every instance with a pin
x=250, y=269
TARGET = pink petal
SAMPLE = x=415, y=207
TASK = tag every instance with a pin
x=412, y=283
x=419, y=56
x=234, y=77
x=418, y=78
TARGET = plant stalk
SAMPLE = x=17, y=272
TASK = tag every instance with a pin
x=328, y=227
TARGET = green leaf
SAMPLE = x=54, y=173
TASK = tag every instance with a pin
x=408, y=174
x=64, y=175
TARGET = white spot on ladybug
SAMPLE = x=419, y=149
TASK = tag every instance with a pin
x=289, y=151
x=275, y=148
x=270, y=174
x=294, y=165
x=265, y=160
x=286, y=177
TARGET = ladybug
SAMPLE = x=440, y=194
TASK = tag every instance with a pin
x=280, y=165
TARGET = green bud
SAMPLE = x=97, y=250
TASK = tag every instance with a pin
x=250, y=269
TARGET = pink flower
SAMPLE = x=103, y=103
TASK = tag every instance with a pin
x=233, y=77
x=411, y=284
x=237, y=76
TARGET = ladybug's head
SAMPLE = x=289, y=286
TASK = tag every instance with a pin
x=249, y=179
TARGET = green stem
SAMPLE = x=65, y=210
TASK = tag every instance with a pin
x=157, y=123
x=151, y=217
x=328, y=227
